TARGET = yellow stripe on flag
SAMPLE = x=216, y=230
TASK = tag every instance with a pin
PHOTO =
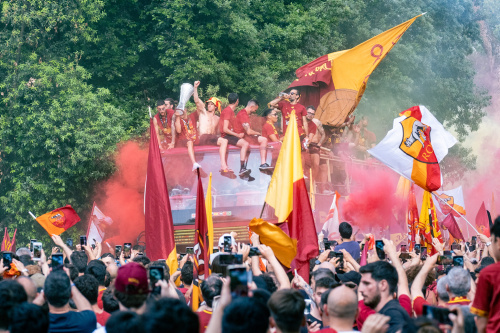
x=172, y=262
x=288, y=170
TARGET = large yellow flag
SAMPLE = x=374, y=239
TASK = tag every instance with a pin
x=350, y=70
x=428, y=223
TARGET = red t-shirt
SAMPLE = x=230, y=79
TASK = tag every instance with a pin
x=99, y=298
x=204, y=317
x=418, y=305
x=102, y=318
x=487, y=300
x=327, y=330
x=286, y=109
x=226, y=114
x=365, y=311
x=268, y=129
x=311, y=127
x=241, y=118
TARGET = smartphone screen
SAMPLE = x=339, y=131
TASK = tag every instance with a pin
x=472, y=248
x=227, y=244
x=7, y=259
x=403, y=248
x=441, y=315
x=340, y=255
x=37, y=251
x=57, y=261
x=83, y=241
x=423, y=253
x=69, y=242
x=254, y=251
x=127, y=249
x=445, y=260
x=455, y=247
x=31, y=244
x=417, y=248
x=156, y=273
x=118, y=251
x=379, y=247
x=240, y=278
x=189, y=250
x=458, y=261
x=473, y=240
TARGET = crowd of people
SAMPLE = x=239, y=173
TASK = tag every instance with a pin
x=351, y=288
x=204, y=127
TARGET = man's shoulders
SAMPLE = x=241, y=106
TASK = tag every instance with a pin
x=492, y=270
x=317, y=122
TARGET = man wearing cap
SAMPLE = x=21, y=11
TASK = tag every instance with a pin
x=207, y=130
x=227, y=131
x=132, y=288
x=163, y=123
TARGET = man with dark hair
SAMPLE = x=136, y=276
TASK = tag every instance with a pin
x=208, y=125
x=142, y=259
x=186, y=279
x=379, y=285
x=227, y=128
x=268, y=129
x=108, y=258
x=79, y=259
x=351, y=246
x=340, y=310
x=321, y=285
x=246, y=314
x=73, y=271
x=29, y=318
x=109, y=302
x=11, y=295
x=125, y=322
x=163, y=124
x=486, y=305
x=242, y=125
x=288, y=103
x=58, y=291
x=170, y=315
x=210, y=288
x=132, y=288
x=97, y=269
x=89, y=287
x=287, y=310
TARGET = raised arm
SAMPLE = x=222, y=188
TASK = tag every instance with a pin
x=281, y=276
x=418, y=283
x=392, y=254
x=200, y=106
x=274, y=102
x=59, y=242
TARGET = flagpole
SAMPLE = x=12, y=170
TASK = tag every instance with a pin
x=435, y=195
x=32, y=215
x=149, y=107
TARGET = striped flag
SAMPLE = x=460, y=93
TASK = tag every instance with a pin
x=331, y=226
x=415, y=146
x=287, y=194
x=159, y=223
x=428, y=223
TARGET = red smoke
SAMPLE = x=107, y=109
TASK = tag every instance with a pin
x=372, y=199
x=122, y=196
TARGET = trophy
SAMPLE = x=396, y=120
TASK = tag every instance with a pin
x=187, y=91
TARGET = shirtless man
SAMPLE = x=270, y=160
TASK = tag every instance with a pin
x=226, y=127
x=242, y=125
x=288, y=103
x=207, y=130
x=163, y=124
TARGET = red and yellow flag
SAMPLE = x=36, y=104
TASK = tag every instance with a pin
x=287, y=194
x=428, y=223
x=159, y=223
x=201, y=251
x=7, y=244
x=344, y=75
x=59, y=220
x=412, y=217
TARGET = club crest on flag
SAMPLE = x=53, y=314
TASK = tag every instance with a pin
x=416, y=140
x=57, y=219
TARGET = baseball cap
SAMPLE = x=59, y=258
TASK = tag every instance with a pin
x=221, y=240
x=132, y=279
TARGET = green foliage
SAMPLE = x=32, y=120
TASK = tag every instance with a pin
x=76, y=77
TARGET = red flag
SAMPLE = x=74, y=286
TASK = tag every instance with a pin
x=59, y=220
x=201, y=249
x=482, y=221
x=7, y=244
x=451, y=224
x=159, y=224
